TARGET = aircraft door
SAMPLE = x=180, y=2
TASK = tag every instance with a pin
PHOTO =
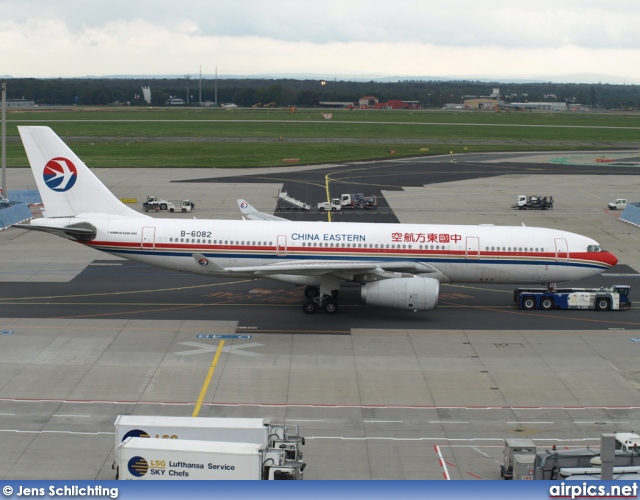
x=473, y=247
x=148, y=237
x=562, y=249
x=281, y=246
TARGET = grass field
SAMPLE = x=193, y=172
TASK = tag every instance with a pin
x=143, y=137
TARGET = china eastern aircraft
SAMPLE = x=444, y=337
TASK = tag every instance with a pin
x=396, y=265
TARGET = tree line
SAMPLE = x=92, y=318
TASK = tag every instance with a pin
x=309, y=93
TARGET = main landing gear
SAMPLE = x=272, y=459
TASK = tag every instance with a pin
x=316, y=301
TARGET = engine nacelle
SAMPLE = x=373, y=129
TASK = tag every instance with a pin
x=415, y=294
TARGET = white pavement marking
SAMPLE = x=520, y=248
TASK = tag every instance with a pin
x=530, y=422
x=208, y=348
x=59, y=432
x=383, y=421
x=486, y=455
x=447, y=422
x=443, y=463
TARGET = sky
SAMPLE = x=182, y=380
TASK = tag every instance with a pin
x=582, y=41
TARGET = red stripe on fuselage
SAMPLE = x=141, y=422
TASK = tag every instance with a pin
x=605, y=259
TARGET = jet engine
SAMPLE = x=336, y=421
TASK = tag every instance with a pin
x=415, y=294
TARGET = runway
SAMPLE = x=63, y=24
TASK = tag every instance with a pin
x=378, y=394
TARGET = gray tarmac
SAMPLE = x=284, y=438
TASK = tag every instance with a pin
x=401, y=403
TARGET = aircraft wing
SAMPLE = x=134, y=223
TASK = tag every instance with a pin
x=253, y=214
x=321, y=267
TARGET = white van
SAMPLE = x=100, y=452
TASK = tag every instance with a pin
x=619, y=204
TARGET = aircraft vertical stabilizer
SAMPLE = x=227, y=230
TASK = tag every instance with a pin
x=67, y=186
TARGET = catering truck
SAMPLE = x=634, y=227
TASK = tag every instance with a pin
x=239, y=430
x=186, y=459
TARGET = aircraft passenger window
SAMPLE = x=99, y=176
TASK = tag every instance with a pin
x=520, y=249
x=493, y=248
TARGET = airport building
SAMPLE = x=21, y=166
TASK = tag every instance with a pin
x=20, y=103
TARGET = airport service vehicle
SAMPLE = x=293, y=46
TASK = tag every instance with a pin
x=332, y=205
x=369, y=202
x=619, y=204
x=352, y=200
x=154, y=203
x=396, y=265
x=615, y=298
x=181, y=206
x=239, y=430
x=293, y=203
x=524, y=202
x=518, y=458
x=627, y=441
x=144, y=459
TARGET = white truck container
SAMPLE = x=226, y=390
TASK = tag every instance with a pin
x=518, y=456
x=153, y=459
x=237, y=430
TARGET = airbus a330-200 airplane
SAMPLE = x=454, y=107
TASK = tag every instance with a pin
x=397, y=265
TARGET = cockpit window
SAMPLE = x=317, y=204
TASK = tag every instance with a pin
x=595, y=248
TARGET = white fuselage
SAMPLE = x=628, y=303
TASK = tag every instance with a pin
x=455, y=253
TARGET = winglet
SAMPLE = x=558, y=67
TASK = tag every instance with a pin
x=254, y=214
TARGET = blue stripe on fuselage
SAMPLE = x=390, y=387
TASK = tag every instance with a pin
x=333, y=257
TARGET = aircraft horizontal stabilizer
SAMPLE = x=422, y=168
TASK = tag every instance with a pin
x=76, y=232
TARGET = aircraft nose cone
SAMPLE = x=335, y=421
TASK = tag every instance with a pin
x=610, y=259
